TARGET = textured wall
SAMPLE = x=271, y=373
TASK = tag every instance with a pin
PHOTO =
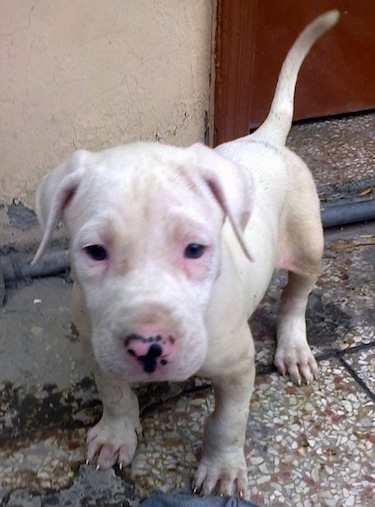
x=92, y=74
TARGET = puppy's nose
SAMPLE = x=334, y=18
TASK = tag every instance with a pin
x=149, y=351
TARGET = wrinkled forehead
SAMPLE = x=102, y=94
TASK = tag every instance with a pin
x=140, y=185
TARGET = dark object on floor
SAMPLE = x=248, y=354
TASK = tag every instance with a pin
x=185, y=500
x=347, y=212
x=2, y=287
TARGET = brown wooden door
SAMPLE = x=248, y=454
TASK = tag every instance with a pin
x=252, y=40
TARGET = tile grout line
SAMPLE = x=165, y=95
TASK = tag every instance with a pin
x=349, y=350
x=357, y=378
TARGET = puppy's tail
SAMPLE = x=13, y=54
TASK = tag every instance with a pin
x=279, y=120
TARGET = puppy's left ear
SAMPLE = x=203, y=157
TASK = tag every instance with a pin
x=232, y=186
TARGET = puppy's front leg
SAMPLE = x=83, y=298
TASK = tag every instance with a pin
x=114, y=438
x=223, y=469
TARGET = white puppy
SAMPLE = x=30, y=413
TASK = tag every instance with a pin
x=172, y=249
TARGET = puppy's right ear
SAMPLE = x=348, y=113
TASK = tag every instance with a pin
x=54, y=193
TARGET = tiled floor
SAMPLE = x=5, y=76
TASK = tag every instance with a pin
x=306, y=446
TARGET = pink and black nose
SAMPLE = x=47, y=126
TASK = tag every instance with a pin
x=151, y=351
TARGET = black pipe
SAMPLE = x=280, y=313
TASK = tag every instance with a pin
x=16, y=266
x=347, y=212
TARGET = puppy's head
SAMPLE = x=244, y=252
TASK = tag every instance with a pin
x=145, y=224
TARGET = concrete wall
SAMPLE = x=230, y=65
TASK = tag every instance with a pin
x=92, y=74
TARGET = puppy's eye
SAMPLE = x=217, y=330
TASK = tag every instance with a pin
x=194, y=251
x=96, y=252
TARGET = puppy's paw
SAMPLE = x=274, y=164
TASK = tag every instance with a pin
x=298, y=362
x=111, y=442
x=222, y=476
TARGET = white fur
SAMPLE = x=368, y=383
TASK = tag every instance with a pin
x=253, y=205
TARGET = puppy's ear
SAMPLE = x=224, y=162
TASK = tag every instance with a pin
x=232, y=186
x=54, y=193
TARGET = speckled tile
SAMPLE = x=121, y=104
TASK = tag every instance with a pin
x=337, y=150
x=363, y=364
x=312, y=443
x=47, y=462
x=167, y=457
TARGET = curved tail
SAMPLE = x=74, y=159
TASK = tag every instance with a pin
x=279, y=120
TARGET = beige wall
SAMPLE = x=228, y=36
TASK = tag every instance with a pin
x=92, y=74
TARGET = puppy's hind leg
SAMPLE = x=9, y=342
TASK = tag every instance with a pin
x=304, y=253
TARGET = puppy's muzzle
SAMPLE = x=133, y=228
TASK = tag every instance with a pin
x=151, y=352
